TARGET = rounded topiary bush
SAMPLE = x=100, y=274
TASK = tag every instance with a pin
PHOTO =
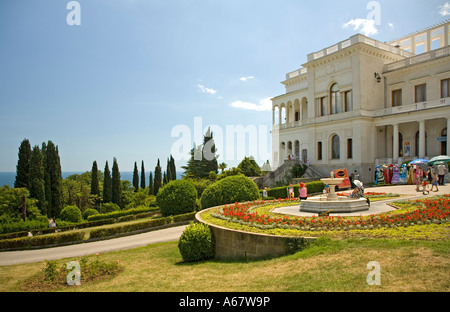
x=196, y=243
x=177, y=197
x=109, y=207
x=71, y=214
x=89, y=212
x=231, y=189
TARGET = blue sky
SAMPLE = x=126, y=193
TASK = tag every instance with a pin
x=116, y=85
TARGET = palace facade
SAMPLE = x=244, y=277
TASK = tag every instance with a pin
x=362, y=102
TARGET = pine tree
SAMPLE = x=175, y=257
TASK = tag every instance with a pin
x=142, y=176
x=203, y=159
x=36, y=179
x=23, y=164
x=53, y=167
x=107, y=185
x=158, y=179
x=116, y=184
x=135, y=178
x=151, y=190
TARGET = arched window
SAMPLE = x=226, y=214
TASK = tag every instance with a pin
x=417, y=143
x=335, y=102
x=335, y=147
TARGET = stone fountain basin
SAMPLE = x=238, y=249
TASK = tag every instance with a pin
x=332, y=181
x=340, y=204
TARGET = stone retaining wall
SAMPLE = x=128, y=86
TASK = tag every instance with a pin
x=233, y=244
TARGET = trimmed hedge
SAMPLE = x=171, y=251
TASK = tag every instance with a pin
x=177, y=197
x=281, y=192
x=58, y=238
x=121, y=213
x=126, y=228
x=231, y=189
x=41, y=240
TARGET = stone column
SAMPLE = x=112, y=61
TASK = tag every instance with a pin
x=395, y=144
x=421, y=139
x=448, y=136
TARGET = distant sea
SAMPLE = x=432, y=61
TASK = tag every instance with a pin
x=8, y=178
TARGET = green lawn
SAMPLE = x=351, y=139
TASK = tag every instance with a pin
x=327, y=265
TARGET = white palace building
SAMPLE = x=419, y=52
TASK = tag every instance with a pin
x=360, y=103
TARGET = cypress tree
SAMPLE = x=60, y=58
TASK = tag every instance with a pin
x=173, y=168
x=23, y=164
x=169, y=176
x=116, y=185
x=95, y=190
x=53, y=167
x=107, y=185
x=151, y=190
x=135, y=178
x=158, y=179
x=36, y=179
x=209, y=148
x=142, y=176
x=47, y=184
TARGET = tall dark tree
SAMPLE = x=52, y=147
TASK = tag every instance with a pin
x=47, y=183
x=169, y=176
x=95, y=189
x=116, y=184
x=107, y=185
x=36, y=179
x=23, y=164
x=158, y=178
x=142, y=175
x=135, y=178
x=173, y=168
x=209, y=153
x=151, y=189
x=53, y=167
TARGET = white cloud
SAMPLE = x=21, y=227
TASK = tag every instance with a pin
x=444, y=10
x=206, y=90
x=366, y=26
x=246, y=78
x=264, y=105
x=391, y=25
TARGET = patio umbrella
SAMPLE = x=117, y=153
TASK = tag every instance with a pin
x=418, y=162
x=438, y=159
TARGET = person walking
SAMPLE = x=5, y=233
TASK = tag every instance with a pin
x=442, y=170
x=434, y=180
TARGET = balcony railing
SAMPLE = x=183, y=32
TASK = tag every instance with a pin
x=429, y=56
x=411, y=107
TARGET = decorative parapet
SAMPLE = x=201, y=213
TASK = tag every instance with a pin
x=234, y=244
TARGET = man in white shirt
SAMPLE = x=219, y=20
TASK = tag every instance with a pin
x=442, y=170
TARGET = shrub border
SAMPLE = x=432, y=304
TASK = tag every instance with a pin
x=62, y=239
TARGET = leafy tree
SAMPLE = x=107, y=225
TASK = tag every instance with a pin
x=116, y=184
x=222, y=166
x=23, y=164
x=249, y=167
x=158, y=179
x=135, y=177
x=107, y=185
x=142, y=176
x=36, y=179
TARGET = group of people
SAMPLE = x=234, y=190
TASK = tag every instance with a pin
x=411, y=174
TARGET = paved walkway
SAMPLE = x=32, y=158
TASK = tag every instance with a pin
x=85, y=249
x=405, y=192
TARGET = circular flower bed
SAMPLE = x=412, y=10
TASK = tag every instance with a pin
x=427, y=211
